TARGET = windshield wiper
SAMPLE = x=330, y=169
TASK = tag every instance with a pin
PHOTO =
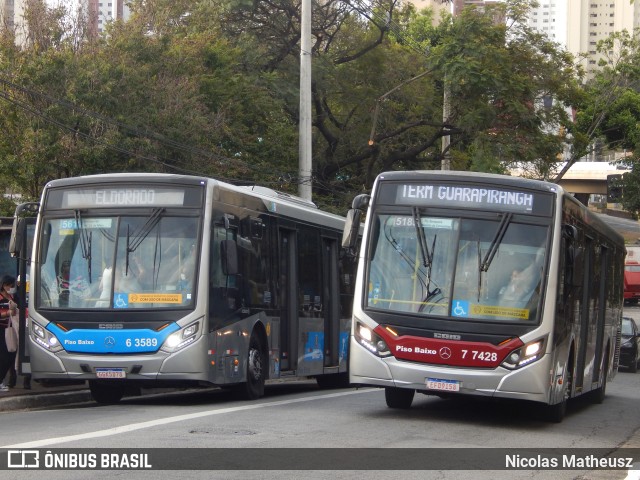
x=427, y=255
x=495, y=243
x=140, y=234
x=422, y=239
x=85, y=242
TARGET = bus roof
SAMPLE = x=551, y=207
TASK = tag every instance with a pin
x=478, y=177
x=274, y=201
x=506, y=181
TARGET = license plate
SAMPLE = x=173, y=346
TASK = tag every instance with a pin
x=443, y=385
x=111, y=373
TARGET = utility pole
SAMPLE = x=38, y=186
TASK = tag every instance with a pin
x=446, y=139
x=305, y=152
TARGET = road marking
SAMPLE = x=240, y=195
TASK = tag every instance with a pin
x=164, y=421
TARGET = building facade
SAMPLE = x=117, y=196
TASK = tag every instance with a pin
x=101, y=12
x=6, y=13
x=578, y=25
x=436, y=5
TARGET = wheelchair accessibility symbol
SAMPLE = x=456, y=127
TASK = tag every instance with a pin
x=460, y=308
x=120, y=300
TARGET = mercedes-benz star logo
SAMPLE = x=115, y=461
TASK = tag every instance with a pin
x=445, y=353
x=109, y=342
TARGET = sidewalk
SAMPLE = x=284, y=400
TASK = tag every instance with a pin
x=41, y=396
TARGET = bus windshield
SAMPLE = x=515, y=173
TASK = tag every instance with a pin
x=459, y=267
x=111, y=262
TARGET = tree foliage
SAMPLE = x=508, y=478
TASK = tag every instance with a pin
x=211, y=87
x=609, y=115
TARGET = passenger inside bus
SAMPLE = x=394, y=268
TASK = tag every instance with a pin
x=63, y=282
x=521, y=291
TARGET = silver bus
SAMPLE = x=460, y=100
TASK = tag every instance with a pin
x=484, y=285
x=159, y=280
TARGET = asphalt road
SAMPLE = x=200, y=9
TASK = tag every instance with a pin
x=299, y=415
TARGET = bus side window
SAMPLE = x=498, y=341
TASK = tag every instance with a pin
x=222, y=291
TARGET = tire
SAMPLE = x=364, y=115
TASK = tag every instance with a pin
x=556, y=413
x=107, y=393
x=399, y=397
x=599, y=393
x=253, y=388
x=633, y=368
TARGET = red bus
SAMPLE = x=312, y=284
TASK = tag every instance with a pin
x=483, y=285
x=632, y=275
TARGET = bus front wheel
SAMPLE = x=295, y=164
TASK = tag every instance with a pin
x=557, y=412
x=106, y=392
x=253, y=388
x=399, y=397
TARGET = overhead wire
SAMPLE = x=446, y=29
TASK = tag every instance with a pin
x=137, y=132
x=368, y=11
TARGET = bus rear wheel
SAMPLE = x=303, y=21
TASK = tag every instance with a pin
x=599, y=393
x=107, y=393
x=399, y=397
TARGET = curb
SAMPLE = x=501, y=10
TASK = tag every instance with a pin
x=39, y=400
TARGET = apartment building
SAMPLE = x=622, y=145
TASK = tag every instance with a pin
x=6, y=13
x=578, y=25
x=101, y=12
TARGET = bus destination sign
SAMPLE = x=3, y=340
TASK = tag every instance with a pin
x=123, y=197
x=466, y=196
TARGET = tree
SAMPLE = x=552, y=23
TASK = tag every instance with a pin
x=386, y=66
x=155, y=94
x=610, y=109
x=211, y=87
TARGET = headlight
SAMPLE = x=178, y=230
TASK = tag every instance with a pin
x=44, y=338
x=524, y=355
x=371, y=340
x=180, y=339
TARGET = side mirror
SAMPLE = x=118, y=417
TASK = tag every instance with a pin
x=352, y=223
x=570, y=232
x=229, y=257
x=18, y=232
x=351, y=228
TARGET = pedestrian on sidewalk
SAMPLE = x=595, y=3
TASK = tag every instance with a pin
x=9, y=337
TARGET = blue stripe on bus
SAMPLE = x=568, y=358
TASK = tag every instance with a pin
x=112, y=341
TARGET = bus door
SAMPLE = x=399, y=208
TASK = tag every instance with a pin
x=602, y=294
x=23, y=279
x=585, y=313
x=331, y=296
x=288, y=298
x=312, y=301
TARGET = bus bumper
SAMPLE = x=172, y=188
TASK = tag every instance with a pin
x=159, y=366
x=531, y=382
